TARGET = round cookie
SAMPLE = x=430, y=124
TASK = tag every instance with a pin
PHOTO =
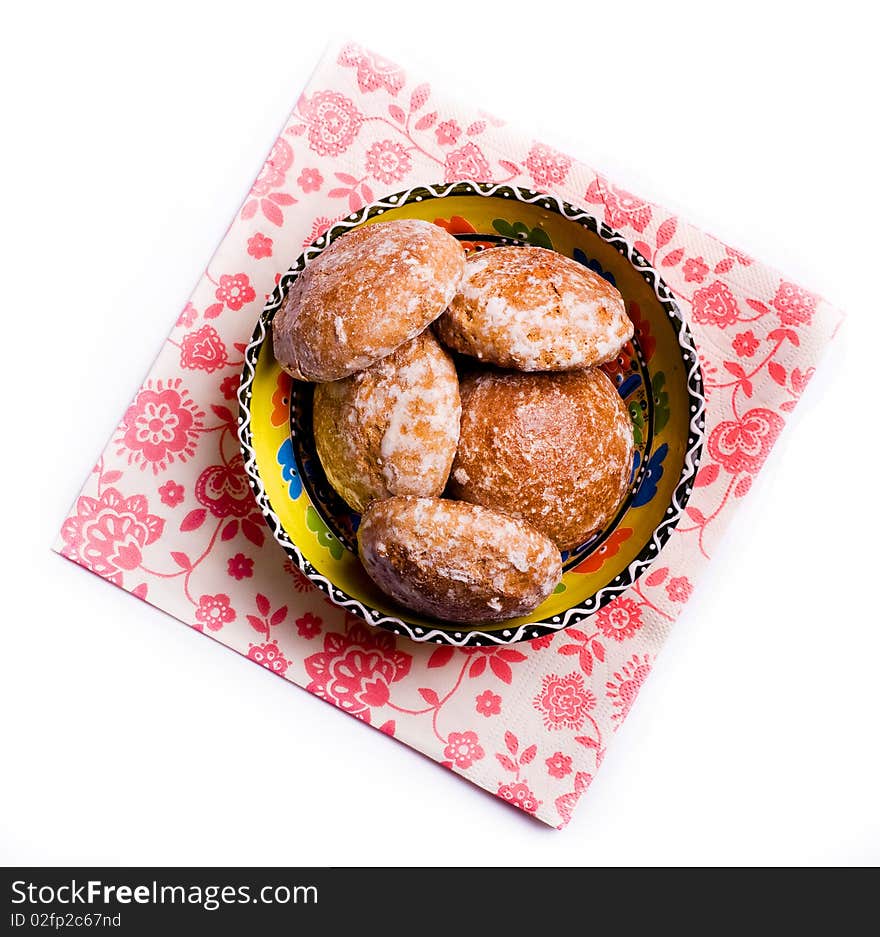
x=456, y=561
x=534, y=310
x=370, y=291
x=553, y=449
x=391, y=429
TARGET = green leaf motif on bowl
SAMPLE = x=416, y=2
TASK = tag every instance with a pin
x=638, y=422
x=518, y=231
x=661, y=402
x=315, y=523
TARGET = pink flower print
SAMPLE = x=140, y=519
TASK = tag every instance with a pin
x=467, y=162
x=387, y=161
x=745, y=344
x=310, y=180
x=743, y=445
x=567, y=802
x=333, y=122
x=715, y=305
x=308, y=626
x=695, y=270
x=356, y=669
x=538, y=644
x=558, y=765
x=301, y=581
x=800, y=379
x=235, y=290
x=794, y=304
x=319, y=226
x=498, y=659
x=620, y=619
x=187, y=316
x=710, y=375
x=107, y=534
x=520, y=796
x=624, y=688
x=679, y=589
x=240, y=566
x=161, y=425
x=229, y=387
x=259, y=246
x=447, y=132
x=488, y=704
x=171, y=494
x=274, y=170
x=203, y=350
x=269, y=656
x=224, y=490
x=546, y=166
x=214, y=612
x=373, y=71
x=738, y=256
x=272, y=176
x=622, y=208
x=463, y=749
x=564, y=701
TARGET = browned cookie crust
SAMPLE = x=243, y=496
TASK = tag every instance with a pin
x=456, y=561
x=534, y=310
x=364, y=296
x=393, y=428
x=553, y=449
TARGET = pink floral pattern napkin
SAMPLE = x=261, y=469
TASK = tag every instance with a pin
x=167, y=513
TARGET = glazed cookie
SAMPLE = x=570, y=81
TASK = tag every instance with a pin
x=391, y=429
x=534, y=310
x=455, y=561
x=553, y=449
x=370, y=291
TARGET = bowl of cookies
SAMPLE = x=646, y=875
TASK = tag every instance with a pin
x=471, y=414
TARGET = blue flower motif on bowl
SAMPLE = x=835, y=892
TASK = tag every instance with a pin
x=593, y=265
x=653, y=474
x=289, y=473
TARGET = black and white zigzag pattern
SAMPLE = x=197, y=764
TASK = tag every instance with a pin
x=660, y=535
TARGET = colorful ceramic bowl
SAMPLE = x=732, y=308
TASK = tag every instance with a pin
x=657, y=375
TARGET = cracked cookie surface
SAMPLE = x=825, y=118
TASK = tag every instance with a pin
x=534, y=310
x=366, y=294
x=457, y=561
x=553, y=449
x=391, y=429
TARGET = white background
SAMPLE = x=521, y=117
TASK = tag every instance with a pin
x=131, y=133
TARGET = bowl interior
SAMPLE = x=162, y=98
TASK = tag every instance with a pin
x=656, y=374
